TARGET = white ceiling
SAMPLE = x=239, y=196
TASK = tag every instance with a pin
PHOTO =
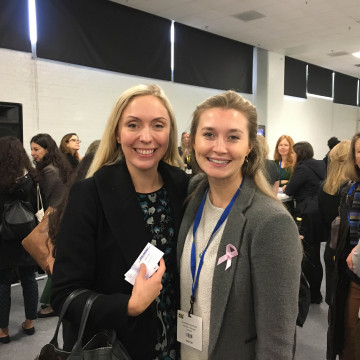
x=308, y=30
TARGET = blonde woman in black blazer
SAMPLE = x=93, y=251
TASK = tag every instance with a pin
x=109, y=220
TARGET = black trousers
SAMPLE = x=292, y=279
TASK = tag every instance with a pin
x=311, y=266
x=30, y=293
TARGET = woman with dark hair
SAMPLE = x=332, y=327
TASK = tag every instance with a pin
x=17, y=181
x=70, y=145
x=54, y=171
x=240, y=258
x=53, y=168
x=304, y=186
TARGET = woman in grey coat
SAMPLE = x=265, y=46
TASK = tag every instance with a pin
x=239, y=267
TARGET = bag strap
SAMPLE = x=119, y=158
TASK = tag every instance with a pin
x=65, y=306
x=76, y=352
x=39, y=198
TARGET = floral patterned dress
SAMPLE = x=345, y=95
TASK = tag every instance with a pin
x=160, y=224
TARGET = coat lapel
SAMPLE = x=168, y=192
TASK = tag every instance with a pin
x=122, y=211
x=233, y=233
x=223, y=279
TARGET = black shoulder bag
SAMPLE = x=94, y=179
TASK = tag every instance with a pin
x=103, y=345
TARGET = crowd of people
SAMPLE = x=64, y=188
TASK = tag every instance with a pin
x=232, y=253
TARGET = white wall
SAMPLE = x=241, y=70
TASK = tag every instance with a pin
x=313, y=119
x=59, y=98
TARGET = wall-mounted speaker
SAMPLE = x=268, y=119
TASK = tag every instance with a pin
x=11, y=120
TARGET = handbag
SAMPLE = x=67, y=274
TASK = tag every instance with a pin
x=102, y=346
x=40, y=208
x=37, y=244
x=304, y=300
x=18, y=220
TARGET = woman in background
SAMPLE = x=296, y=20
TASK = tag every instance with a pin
x=344, y=308
x=70, y=146
x=329, y=201
x=54, y=171
x=283, y=159
x=239, y=267
x=133, y=196
x=271, y=170
x=17, y=181
x=304, y=186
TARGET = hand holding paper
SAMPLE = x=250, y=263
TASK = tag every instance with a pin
x=147, y=280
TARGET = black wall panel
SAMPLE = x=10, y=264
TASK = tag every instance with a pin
x=319, y=80
x=105, y=35
x=212, y=61
x=345, y=89
x=14, y=25
x=295, y=78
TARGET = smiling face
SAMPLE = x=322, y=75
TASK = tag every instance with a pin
x=143, y=132
x=283, y=147
x=221, y=143
x=37, y=152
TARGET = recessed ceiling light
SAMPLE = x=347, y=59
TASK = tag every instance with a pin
x=338, y=53
x=249, y=15
x=356, y=54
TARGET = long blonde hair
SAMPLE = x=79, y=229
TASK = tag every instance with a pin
x=351, y=169
x=335, y=171
x=253, y=167
x=110, y=152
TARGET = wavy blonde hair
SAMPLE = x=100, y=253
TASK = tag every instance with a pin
x=110, y=152
x=336, y=175
x=254, y=165
x=351, y=169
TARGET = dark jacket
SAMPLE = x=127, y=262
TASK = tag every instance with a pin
x=12, y=253
x=329, y=209
x=341, y=279
x=271, y=171
x=101, y=235
x=304, y=185
x=73, y=160
x=52, y=185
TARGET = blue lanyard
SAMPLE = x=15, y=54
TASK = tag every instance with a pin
x=280, y=170
x=353, y=187
x=223, y=217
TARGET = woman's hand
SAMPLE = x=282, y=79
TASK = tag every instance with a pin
x=78, y=156
x=145, y=291
x=349, y=259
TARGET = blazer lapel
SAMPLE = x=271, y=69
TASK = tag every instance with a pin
x=122, y=211
x=222, y=280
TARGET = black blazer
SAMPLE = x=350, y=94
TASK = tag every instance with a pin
x=101, y=235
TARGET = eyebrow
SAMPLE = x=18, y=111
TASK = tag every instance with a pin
x=134, y=118
x=230, y=130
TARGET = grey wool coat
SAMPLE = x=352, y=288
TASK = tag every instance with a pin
x=254, y=304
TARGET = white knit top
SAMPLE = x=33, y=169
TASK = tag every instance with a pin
x=211, y=215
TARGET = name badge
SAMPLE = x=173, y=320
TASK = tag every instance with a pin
x=189, y=330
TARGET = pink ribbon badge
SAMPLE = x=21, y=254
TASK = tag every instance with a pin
x=228, y=256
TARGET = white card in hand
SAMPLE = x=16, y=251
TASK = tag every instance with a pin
x=150, y=256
